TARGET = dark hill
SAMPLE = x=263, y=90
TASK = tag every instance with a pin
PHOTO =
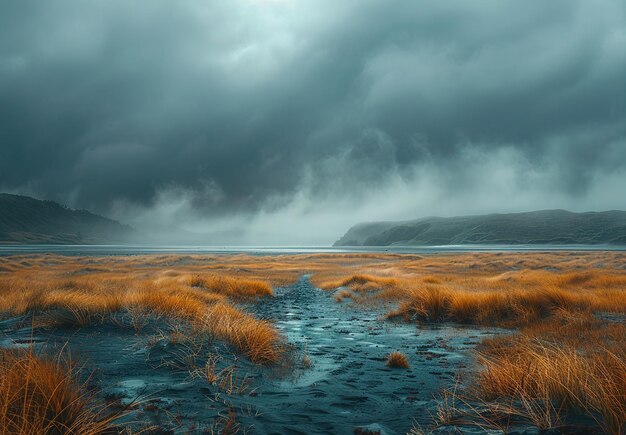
x=28, y=220
x=538, y=227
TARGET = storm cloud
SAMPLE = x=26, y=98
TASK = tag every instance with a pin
x=297, y=118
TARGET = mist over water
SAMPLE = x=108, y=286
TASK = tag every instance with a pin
x=491, y=184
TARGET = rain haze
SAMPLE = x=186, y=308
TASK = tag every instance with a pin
x=288, y=121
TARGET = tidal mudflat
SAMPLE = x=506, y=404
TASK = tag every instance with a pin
x=300, y=343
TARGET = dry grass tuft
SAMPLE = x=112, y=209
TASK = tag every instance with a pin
x=232, y=287
x=550, y=375
x=397, y=360
x=258, y=339
x=40, y=395
x=575, y=363
x=226, y=379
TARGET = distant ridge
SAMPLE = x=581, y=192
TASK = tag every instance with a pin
x=28, y=220
x=537, y=227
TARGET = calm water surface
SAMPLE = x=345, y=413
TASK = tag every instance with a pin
x=277, y=250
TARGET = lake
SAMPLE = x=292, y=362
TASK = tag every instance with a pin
x=277, y=250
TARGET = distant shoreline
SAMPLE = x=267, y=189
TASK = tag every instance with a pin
x=88, y=250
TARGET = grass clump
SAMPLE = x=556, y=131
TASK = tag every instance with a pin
x=397, y=360
x=41, y=395
x=572, y=363
x=258, y=339
x=231, y=286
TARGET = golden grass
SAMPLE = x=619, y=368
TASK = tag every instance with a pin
x=232, y=287
x=397, y=360
x=283, y=269
x=40, y=395
x=202, y=301
x=563, y=358
x=555, y=376
x=572, y=362
x=258, y=339
x=508, y=299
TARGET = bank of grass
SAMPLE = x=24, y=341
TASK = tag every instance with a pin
x=566, y=359
x=572, y=363
x=510, y=299
x=204, y=302
x=42, y=395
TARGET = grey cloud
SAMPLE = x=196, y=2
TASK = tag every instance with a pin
x=105, y=103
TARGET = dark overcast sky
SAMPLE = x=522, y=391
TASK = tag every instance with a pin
x=296, y=118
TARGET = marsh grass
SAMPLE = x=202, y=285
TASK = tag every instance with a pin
x=541, y=383
x=572, y=363
x=91, y=299
x=564, y=360
x=550, y=378
x=227, y=379
x=42, y=395
x=231, y=286
x=397, y=360
x=509, y=300
x=258, y=339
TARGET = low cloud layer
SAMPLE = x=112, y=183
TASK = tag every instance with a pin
x=295, y=119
